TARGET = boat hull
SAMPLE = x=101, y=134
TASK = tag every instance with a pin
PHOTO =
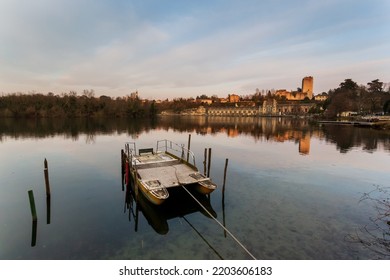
x=151, y=194
x=205, y=187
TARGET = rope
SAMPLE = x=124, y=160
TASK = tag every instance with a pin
x=204, y=239
x=211, y=216
x=218, y=222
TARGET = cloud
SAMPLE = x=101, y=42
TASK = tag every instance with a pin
x=176, y=49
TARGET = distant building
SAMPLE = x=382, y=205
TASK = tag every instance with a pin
x=269, y=108
x=306, y=92
x=204, y=101
x=321, y=97
x=233, y=98
x=223, y=100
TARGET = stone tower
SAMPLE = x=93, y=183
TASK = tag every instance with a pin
x=307, y=86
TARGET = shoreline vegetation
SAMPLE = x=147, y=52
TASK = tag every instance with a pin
x=38, y=105
x=348, y=100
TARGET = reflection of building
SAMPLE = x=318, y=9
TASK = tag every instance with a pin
x=297, y=136
x=304, y=145
x=278, y=129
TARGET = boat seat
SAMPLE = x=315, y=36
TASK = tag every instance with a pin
x=146, y=151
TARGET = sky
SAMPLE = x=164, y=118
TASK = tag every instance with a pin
x=182, y=48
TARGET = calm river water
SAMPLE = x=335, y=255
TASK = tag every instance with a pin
x=294, y=190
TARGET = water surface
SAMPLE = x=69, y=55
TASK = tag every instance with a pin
x=294, y=190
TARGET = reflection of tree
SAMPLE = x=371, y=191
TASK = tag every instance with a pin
x=90, y=138
x=347, y=137
x=260, y=129
x=376, y=235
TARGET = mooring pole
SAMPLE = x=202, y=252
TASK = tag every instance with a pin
x=189, y=146
x=205, y=161
x=32, y=205
x=46, y=172
x=209, y=163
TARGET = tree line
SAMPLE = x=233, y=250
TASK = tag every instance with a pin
x=349, y=96
x=71, y=104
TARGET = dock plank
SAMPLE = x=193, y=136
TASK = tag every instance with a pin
x=169, y=176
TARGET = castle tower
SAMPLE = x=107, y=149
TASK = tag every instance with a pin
x=307, y=86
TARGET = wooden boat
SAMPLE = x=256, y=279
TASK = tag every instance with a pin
x=155, y=172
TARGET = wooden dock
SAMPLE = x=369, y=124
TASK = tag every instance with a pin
x=373, y=124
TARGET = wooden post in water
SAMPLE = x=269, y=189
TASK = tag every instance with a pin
x=189, y=146
x=46, y=172
x=32, y=205
x=209, y=163
x=205, y=161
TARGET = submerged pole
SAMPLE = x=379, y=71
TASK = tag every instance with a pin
x=34, y=233
x=122, y=161
x=223, y=197
x=127, y=174
x=224, y=174
x=209, y=163
x=136, y=186
x=122, y=168
x=32, y=205
x=47, y=183
x=48, y=210
x=189, y=146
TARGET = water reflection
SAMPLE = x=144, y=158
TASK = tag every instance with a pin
x=261, y=129
x=301, y=207
x=179, y=204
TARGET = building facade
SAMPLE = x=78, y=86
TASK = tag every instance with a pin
x=268, y=108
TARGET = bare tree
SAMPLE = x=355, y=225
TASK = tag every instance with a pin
x=376, y=235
